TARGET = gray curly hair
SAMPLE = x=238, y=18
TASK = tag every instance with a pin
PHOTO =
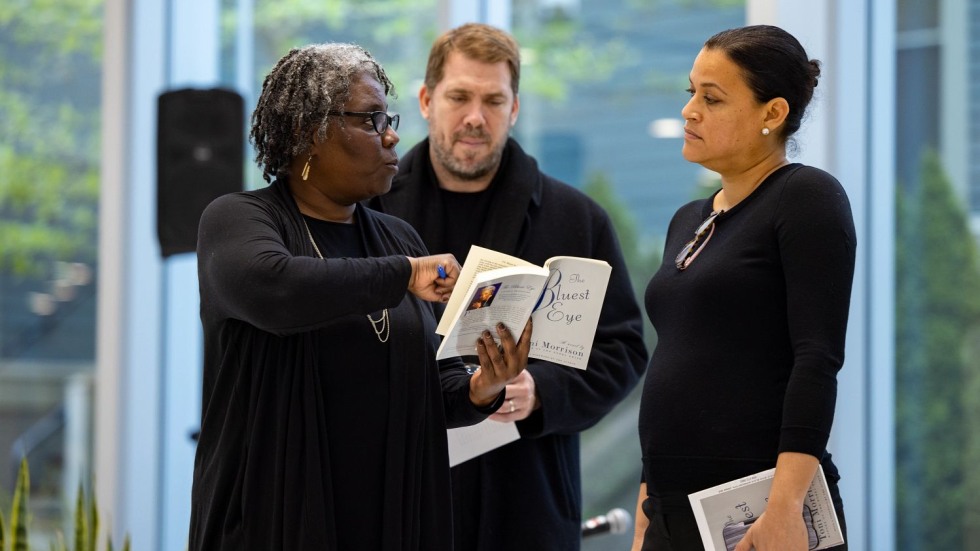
x=296, y=96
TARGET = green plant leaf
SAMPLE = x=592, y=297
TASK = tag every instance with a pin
x=80, y=521
x=93, y=523
x=18, y=515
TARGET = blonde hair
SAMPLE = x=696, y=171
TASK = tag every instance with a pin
x=476, y=41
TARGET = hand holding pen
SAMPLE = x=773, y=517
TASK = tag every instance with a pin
x=433, y=277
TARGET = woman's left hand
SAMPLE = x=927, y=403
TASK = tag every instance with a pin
x=781, y=526
x=776, y=531
x=499, y=365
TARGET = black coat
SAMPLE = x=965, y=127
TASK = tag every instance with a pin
x=527, y=494
x=263, y=469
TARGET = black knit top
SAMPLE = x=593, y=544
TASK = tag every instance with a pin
x=750, y=335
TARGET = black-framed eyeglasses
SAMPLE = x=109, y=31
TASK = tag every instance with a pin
x=696, y=245
x=379, y=119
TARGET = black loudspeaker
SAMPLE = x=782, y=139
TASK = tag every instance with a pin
x=200, y=156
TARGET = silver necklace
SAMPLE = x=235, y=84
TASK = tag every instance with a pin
x=382, y=325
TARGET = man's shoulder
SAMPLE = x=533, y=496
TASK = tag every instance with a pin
x=556, y=194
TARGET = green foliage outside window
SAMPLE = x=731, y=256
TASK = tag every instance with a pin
x=50, y=66
x=937, y=335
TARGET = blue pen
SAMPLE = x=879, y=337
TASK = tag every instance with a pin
x=442, y=272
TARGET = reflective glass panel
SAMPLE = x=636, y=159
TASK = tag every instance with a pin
x=937, y=275
x=50, y=73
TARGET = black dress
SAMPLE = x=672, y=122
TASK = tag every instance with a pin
x=354, y=377
x=314, y=434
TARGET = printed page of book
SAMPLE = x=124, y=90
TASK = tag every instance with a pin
x=566, y=318
x=725, y=512
x=465, y=443
x=478, y=259
x=506, y=295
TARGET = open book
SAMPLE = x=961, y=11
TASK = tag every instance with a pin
x=725, y=512
x=564, y=298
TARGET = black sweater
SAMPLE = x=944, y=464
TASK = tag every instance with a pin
x=265, y=469
x=750, y=335
x=528, y=494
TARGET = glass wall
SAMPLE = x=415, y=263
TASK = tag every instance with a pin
x=938, y=281
x=601, y=92
x=50, y=71
x=397, y=32
x=603, y=85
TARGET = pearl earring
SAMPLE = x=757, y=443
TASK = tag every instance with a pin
x=765, y=131
x=306, y=168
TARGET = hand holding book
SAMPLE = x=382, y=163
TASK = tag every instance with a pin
x=725, y=513
x=564, y=297
x=498, y=364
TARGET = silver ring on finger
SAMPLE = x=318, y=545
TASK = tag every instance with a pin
x=512, y=407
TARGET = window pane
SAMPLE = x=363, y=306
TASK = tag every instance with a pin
x=917, y=15
x=398, y=33
x=51, y=65
x=602, y=86
x=938, y=279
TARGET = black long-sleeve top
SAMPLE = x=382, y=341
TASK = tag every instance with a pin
x=273, y=464
x=750, y=335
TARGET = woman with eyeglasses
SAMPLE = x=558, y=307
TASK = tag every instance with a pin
x=750, y=304
x=324, y=410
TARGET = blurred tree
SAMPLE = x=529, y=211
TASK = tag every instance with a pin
x=937, y=311
x=642, y=258
x=50, y=66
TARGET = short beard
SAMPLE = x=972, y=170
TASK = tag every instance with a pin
x=445, y=157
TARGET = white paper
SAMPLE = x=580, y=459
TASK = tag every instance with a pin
x=465, y=443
